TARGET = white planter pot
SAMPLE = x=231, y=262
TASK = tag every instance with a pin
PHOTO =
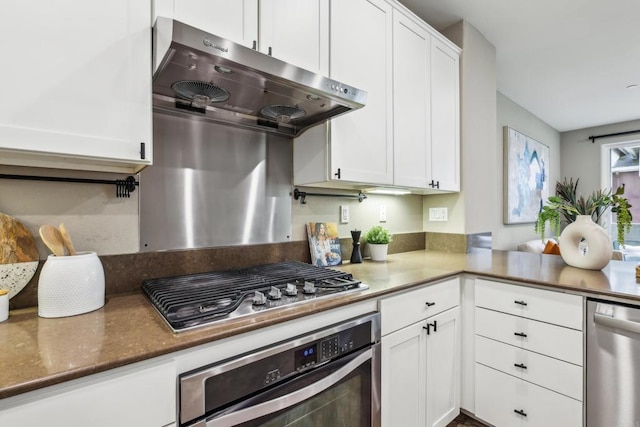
x=378, y=252
x=70, y=285
x=594, y=253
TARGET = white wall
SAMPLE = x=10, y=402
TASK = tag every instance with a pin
x=581, y=158
x=404, y=213
x=100, y=222
x=95, y=218
x=507, y=237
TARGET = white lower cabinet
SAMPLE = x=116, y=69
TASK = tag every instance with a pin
x=421, y=361
x=143, y=395
x=504, y=401
x=529, y=354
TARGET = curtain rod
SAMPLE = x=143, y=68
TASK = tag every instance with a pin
x=593, y=138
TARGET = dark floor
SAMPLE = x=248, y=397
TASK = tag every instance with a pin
x=464, y=421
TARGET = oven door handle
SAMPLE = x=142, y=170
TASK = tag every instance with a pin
x=283, y=402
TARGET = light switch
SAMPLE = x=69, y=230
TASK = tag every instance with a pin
x=383, y=213
x=438, y=214
x=344, y=214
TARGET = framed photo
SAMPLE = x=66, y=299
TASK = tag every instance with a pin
x=526, y=185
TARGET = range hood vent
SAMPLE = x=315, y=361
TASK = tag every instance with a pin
x=204, y=75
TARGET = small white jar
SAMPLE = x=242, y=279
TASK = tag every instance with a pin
x=70, y=285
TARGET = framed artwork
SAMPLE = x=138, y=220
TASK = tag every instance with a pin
x=526, y=185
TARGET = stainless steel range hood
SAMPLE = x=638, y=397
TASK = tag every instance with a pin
x=210, y=77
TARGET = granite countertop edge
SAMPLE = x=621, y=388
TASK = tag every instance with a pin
x=42, y=352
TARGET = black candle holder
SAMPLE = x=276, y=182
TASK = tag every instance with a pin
x=356, y=256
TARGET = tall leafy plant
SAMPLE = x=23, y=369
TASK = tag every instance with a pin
x=566, y=205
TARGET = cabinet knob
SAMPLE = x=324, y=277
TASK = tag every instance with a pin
x=429, y=304
x=520, y=365
x=520, y=334
x=520, y=412
x=522, y=303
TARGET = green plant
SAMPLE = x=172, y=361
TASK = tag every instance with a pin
x=566, y=205
x=378, y=235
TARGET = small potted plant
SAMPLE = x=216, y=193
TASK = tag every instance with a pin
x=378, y=239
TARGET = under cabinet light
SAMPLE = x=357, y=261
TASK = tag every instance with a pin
x=391, y=191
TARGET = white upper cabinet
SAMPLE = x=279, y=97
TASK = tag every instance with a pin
x=291, y=30
x=407, y=135
x=235, y=20
x=76, y=85
x=357, y=147
x=411, y=103
x=296, y=32
x=445, y=116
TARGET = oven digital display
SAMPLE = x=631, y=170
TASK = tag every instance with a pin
x=306, y=356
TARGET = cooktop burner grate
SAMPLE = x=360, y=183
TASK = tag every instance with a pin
x=197, y=299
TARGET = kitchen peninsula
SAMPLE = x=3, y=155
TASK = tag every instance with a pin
x=40, y=352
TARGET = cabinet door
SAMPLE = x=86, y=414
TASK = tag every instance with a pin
x=134, y=397
x=76, y=85
x=411, y=106
x=445, y=116
x=360, y=51
x=235, y=20
x=403, y=377
x=443, y=368
x=297, y=32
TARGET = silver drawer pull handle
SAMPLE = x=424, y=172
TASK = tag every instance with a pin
x=522, y=303
x=520, y=334
x=520, y=365
x=429, y=304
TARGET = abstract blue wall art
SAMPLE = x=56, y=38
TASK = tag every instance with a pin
x=526, y=177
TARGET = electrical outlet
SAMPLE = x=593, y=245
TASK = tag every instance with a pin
x=344, y=214
x=383, y=213
x=438, y=214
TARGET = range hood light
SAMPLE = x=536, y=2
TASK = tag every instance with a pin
x=222, y=70
x=313, y=98
x=389, y=191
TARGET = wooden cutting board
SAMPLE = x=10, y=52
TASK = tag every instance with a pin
x=18, y=255
x=16, y=241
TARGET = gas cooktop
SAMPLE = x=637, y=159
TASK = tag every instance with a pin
x=194, y=300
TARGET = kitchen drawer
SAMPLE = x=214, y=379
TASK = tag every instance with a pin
x=556, y=375
x=547, y=306
x=550, y=340
x=413, y=306
x=499, y=395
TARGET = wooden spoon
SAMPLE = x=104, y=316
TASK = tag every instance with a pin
x=66, y=238
x=53, y=239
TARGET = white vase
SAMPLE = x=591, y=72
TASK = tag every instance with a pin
x=585, y=244
x=70, y=285
x=378, y=251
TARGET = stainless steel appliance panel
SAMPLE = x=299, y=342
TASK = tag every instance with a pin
x=328, y=377
x=213, y=185
x=613, y=365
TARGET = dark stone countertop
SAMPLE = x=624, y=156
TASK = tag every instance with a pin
x=39, y=352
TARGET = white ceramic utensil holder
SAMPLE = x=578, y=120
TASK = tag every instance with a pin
x=70, y=285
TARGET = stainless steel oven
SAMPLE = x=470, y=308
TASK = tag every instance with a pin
x=329, y=377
